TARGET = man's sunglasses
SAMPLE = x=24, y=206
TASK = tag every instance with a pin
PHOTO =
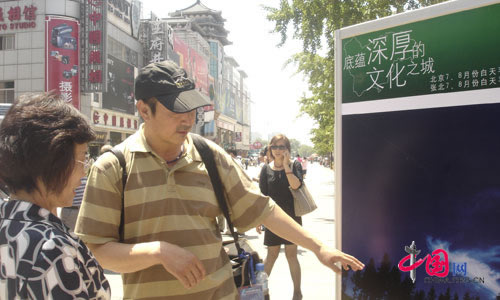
x=281, y=147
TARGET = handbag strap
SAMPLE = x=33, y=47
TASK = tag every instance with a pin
x=208, y=159
x=123, y=164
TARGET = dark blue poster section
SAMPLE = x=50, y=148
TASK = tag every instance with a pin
x=429, y=176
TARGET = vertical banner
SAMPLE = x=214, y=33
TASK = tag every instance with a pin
x=93, y=53
x=199, y=68
x=182, y=50
x=135, y=17
x=195, y=65
x=417, y=150
x=62, y=71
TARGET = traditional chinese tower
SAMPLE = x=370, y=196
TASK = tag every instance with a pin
x=198, y=19
x=209, y=24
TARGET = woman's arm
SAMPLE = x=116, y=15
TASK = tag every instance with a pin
x=294, y=181
x=263, y=180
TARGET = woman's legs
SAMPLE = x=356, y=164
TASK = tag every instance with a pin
x=272, y=255
x=293, y=264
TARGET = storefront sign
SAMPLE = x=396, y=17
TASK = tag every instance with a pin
x=225, y=125
x=119, y=14
x=100, y=136
x=94, y=44
x=61, y=58
x=114, y=119
x=17, y=17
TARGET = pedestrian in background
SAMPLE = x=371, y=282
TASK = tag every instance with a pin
x=304, y=164
x=43, y=154
x=275, y=180
x=70, y=214
x=263, y=157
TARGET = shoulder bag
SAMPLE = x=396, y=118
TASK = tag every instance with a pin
x=243, y=257
x=303, y=202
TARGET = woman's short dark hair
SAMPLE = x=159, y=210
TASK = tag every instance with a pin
x=37, y=141
x=275, y=139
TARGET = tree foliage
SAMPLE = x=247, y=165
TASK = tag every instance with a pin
x=314, y=22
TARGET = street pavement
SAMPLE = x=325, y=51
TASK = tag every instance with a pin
x=318, y=282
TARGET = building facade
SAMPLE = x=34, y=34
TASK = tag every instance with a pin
x=89, y=52
x=86, y=51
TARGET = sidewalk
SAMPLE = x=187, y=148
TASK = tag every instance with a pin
x=318, y=282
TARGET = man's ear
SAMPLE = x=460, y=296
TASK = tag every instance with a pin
x=144, y=110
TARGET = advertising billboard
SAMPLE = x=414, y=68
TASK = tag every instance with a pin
x=62, y=64
x=194, y=64
x=120, y=93
x=417, y=186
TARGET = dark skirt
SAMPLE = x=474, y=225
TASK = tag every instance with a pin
x=271, y=239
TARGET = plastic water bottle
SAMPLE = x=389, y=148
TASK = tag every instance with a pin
x=262, y=280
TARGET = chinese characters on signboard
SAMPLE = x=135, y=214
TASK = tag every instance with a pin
x=388, y=62
x=114, y=119
x=20, y=17
x=157, y=43
x=93, y=48
x=61, y=58
x=414, y=59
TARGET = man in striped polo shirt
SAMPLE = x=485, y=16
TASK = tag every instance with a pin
x=172, y=248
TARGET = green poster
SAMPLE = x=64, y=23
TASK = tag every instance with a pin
x=452, y=53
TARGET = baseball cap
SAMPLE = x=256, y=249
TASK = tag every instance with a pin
x=169, y=83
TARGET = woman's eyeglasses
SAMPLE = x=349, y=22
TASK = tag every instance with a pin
x=281, y=147
x=86, y=164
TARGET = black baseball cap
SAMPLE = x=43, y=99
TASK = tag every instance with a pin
x=169, y=83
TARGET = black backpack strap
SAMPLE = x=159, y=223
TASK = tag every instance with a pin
x=123, y=164
x=208, y=159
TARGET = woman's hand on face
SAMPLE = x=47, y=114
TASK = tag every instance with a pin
x=286, y=157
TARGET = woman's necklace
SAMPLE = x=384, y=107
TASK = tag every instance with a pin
x=177, y=158
x=278, y=169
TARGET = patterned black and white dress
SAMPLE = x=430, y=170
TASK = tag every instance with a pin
x=41, y=259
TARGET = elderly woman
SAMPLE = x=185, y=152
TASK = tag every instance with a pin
x=43, y=156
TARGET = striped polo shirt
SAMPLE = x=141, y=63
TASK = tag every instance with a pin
x=173, y=204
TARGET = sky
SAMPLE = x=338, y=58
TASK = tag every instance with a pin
x=274, y=90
